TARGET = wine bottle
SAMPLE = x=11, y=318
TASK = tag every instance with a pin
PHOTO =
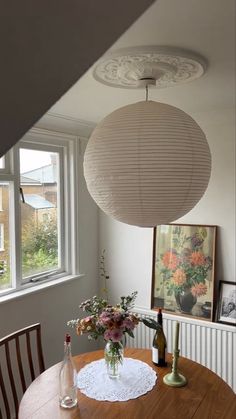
x=67, y=378
x=159, y=344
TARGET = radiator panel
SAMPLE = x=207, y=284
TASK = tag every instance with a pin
x=210, y=344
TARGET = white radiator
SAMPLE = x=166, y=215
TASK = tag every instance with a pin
x=210, y=344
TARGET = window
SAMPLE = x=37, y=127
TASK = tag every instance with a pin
x=36, y=221
x=40, y=187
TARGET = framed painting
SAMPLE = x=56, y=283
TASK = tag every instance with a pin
x=227, y=303
x=183, y=270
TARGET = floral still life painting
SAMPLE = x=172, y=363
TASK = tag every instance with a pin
x=183, y=269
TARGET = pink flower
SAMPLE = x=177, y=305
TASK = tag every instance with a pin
x=105, y=314
x=117, y=317
x=199, y=289
x=128, y=324
x=104, y=320
x=107, y=334
x=115, y=335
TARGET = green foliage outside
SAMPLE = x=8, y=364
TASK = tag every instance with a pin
x=39, y=249
x=4, y=279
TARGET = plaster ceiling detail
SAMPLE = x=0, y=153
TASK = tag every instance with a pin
x=206, y=27
x=167, y=66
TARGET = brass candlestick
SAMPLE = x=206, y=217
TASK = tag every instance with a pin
x=174, y=379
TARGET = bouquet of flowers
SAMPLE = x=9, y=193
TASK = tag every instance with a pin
x=110, y=322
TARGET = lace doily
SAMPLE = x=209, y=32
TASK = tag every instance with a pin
x=136, y=378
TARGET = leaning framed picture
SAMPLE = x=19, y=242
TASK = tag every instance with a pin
x=227, y=303
x=184, y=269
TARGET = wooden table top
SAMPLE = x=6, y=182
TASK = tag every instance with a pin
x=206, y=396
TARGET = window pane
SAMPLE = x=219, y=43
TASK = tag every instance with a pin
x=2, y=162
x=5, y=276
x=39, y=211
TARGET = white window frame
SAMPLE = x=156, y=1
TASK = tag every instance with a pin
x=68, y=148
x=6, y=168
x=1, y=209
x=1, y=237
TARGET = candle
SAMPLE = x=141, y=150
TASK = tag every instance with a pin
x=176, y=342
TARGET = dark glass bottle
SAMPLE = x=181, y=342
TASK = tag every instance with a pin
x=159, y=344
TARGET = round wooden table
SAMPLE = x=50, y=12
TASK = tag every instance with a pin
x=206, y=396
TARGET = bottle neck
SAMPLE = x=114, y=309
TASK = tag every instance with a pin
x=67, y=349
x=159, y=318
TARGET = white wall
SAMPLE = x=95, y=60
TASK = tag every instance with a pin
x=53, y=307
x=129, y=249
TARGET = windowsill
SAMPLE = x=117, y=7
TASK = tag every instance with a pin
x=39, y=287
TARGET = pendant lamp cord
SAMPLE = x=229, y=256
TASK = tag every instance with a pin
x=146, y=87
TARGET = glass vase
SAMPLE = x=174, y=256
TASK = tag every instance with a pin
x=114, y=355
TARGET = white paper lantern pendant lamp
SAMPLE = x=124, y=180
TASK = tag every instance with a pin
x=147, y=163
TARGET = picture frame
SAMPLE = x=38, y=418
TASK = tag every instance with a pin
x=183, y=270
x=226, y=312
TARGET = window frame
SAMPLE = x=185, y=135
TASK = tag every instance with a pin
x=60, y=205
x=68, y=147
x=2, y=248
x=6, y=168
x=1, y=207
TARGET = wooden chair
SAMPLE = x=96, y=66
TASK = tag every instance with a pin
x=17, y=359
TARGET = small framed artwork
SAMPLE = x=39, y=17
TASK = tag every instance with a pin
x=227, y=303
x=183, y=270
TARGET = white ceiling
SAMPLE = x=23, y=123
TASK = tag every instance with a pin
x=206, y=27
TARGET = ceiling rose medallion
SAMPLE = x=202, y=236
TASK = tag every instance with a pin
x=168, y=66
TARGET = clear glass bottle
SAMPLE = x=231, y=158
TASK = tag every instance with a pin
x=159, y=344
x=67, y=378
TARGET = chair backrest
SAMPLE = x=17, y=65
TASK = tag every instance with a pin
x=18, y=353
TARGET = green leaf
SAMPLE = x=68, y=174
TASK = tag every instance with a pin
x=130, y=333
x=150, y=323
